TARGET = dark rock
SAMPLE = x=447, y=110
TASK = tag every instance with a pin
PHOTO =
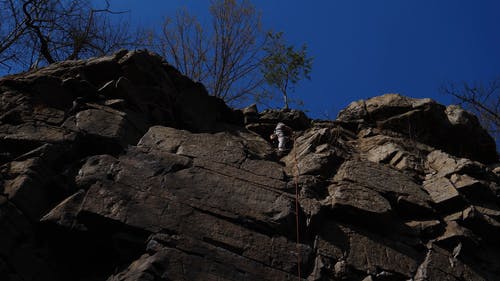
x=64, y=214
x=443, y=193
x=425, y=228
x=116, y=128
x=21, y=257
x=400, y=189
x=423, y=120
x=250, y=110
x=36, y=133
x=381, y=107
x=295, y=119
x=367, y=253
x=440, y=265
x=318, y=151
x=121, y=168
x=400, y=153
x=31, y=181
x=443, y=164
x=357, y=201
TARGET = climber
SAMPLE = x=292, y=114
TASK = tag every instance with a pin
x=282, y=132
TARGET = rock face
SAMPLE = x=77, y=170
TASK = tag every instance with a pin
x=450, y=128
x=120, y=168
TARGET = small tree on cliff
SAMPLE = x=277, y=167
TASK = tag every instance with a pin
x=284, y=66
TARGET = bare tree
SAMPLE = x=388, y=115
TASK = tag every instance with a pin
x=12, y=28
x=37, y=32
x=483, y=99
x=184, y=43
x=226, y=57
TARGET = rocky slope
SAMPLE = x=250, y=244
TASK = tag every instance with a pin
x=120, y=168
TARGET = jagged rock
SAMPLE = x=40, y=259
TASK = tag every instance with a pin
x=473, y=180
x=440, y=265
x=425, y=228
x=116, y=128
x=147, y=188
x=358, y=201
x=121, y=168
x=367, y=252
x=30, y=182
x=206, y=262
x=381, y=107
x=455, y=233
x=393, y=257
x=265, y=122
x=64, y=213
x=443, y=164
x=383, y=153
x=35, y=133
x=465, y=183
x=496, y=170
x=400, y=189
x=220, y=147
x=296, y=119
x=251, y=115
x=146, y=268
x=457, y=116
x=423, y=120
x=400, y=153
x=443, y=193
x=460, y=215
x=96, y=168
x=318, y=151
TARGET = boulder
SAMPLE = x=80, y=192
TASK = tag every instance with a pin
x=381, y=107
x=398, y=188
x=443, y=164
x=447, y=128
x=295, y=119
x=357, y=201
x=116, y=128
x=318, y=151
x=443, y=193
x=398, y=152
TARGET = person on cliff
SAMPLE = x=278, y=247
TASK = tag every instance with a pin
x=282, y=132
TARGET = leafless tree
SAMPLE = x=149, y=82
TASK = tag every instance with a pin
x=184, y=43
x=38, y=32
x=483, y=99
x=226, y=56
x=12, y=28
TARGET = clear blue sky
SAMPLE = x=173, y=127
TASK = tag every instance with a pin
x=367, y=48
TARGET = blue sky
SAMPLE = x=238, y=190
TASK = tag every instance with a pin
x=367, y=48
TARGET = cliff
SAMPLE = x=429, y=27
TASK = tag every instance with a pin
x=120, y=168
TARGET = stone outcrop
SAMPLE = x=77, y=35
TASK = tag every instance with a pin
x=451, y=128
x=121, y=169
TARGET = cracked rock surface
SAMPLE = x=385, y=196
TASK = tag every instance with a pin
x=120, y=168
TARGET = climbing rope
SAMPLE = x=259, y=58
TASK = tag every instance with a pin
x=296, y=182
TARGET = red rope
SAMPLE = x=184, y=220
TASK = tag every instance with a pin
x=295, y=179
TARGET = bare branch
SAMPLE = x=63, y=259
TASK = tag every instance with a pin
x=225, y=58
x=483, y=100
